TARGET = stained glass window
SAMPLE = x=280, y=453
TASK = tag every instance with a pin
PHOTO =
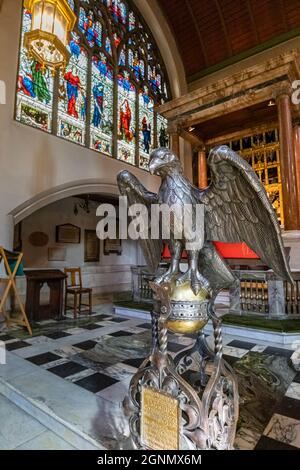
x=107, y=96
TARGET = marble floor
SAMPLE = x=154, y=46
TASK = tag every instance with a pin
x=76, y=373
x=20, y=431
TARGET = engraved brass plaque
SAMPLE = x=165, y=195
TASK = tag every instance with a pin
x=159, y=420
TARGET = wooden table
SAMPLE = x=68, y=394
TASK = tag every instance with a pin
x=36, y=278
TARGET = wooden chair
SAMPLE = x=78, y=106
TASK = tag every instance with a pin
x=74, y=287
x=12, y=262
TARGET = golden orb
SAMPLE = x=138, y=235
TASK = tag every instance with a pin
x=189, y=312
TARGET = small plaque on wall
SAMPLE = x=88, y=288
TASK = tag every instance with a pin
x=91, y=246
x=112, y=246
x=67, y=233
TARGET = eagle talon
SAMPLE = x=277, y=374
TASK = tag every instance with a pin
x=196, y=287
x=166, y=277
x=196, y=279
x=184, y=278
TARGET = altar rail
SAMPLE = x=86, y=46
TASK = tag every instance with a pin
x=255, y=292
x=141, y=290
x=263, y=293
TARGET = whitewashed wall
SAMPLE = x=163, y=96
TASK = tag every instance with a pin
x=111, y=273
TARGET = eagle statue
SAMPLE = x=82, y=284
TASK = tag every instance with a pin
x=236, y=209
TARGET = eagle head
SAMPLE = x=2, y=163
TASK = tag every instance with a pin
x=126, y=182
x=129, y=184
x=163, y=161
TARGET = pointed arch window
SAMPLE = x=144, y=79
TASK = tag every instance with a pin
x=106, y=98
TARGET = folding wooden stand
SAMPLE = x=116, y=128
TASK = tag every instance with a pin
x=11, y=286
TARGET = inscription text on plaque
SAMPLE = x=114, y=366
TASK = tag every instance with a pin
x=160, y=420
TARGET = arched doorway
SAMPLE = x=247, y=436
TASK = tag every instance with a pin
x=40, y=230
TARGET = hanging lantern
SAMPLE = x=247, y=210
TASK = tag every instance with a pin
x=52, y=20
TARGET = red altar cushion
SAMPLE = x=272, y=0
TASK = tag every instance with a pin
x=226, y=250
x=235, y=250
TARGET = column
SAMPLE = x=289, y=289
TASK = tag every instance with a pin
x=287, y=162
x=174, y=138
x=202, y=168
x=175, y=143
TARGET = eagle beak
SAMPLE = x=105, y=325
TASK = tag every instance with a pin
x=152, y=167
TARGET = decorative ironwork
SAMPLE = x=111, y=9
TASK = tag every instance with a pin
x=210, y=411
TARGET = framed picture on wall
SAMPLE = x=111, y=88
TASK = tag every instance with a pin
x=91, y=246
x=113, y=245
x=68, y=233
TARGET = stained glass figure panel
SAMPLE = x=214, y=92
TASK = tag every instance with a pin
x=34, y=88
x=122, y=12
x=162, y=133
x=72, y=105
x=154, y=79
x=117, y=9
x=90, y=28
x=136, y=64
x=126, y=119
x=132, y=21
x=101, y=106
x=122, y=59
x=117, y=40
x=146, y=127
x=108, y=46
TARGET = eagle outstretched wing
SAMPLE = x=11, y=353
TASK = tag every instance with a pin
x=136, y=193
x=237, y=209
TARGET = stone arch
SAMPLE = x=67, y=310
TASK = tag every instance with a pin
x=61, y=192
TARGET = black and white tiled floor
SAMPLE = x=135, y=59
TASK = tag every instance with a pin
x=59, y=353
